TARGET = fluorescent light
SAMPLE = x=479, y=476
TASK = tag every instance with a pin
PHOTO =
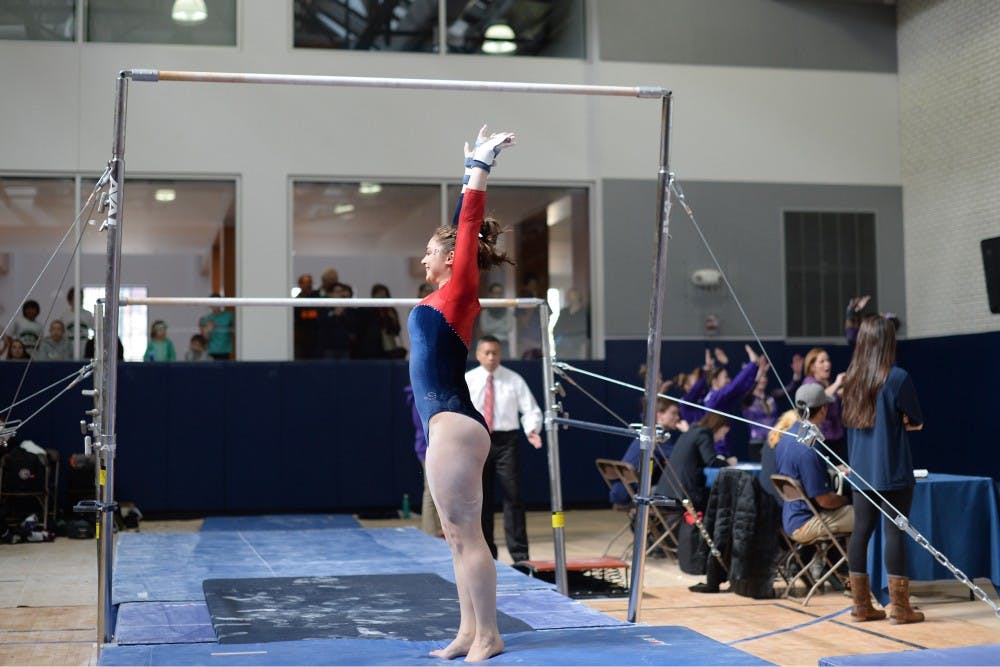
x=341, y=209
x=499, y=38
x=498, y=46
x=21, y=191
x=165, y=194
x=499, y=31
x=189, y=11
x=369, y=188
x=559, y=210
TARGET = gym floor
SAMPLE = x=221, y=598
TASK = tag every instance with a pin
x=48, y=607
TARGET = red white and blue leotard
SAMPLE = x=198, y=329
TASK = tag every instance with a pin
x=440, y=326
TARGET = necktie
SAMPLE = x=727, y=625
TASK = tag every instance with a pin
x=488, y=402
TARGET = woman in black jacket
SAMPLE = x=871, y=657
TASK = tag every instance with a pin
x=694, y=451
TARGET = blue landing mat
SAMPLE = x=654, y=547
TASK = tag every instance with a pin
x=189, y=622
x=280, y=522
x=988, y=654
x=164, y=623
x=171, y=566
x=633, y=645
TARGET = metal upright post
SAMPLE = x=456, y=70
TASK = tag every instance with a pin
x=552, y=431
x=77, y=292
x=105, y=536
x=109, y=362
x=648, y=433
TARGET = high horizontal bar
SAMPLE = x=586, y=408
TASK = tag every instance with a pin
x=319, y=302
x=650, y=92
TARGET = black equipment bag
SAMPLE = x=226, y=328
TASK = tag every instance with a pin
x=690, y=548
x=23, y=472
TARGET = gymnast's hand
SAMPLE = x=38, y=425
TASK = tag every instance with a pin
x=488, y=147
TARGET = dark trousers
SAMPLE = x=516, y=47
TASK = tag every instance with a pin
x=866, y=516
x=503, y=464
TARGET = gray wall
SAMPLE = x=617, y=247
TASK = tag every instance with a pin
x=949, y=87
x=744, y=121
x=743, y=225
x=802, y=34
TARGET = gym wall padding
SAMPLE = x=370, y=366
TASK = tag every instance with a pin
x=252, y=437
x=247, y=437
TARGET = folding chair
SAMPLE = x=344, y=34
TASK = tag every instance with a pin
x=829, y=550
x=662, y=523
x=609, y=473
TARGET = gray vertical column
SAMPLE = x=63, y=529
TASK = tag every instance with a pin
x=109, y=362
x=103, y=532
x=552, y=432
x=648, y=433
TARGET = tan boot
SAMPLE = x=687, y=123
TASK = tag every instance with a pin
x=863, y=609
x=900, y=610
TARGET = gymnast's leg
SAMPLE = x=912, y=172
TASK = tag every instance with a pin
x=457, y=449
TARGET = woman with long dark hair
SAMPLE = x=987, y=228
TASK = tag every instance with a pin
x=458, y=440
x=879, y=406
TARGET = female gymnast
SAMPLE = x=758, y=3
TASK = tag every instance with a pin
x=440, y=329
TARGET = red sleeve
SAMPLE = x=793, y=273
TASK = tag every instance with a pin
x=465, y=269
x=458, y=300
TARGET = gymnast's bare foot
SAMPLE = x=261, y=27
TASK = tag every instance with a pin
x=459, y=646
x=484, y=649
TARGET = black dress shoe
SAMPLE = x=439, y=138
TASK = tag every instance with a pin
x=703, y=588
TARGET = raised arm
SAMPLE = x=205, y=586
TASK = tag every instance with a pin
x=479, y=160
x=472, y=203
x=739, y=385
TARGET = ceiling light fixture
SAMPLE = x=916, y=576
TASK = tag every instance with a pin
x=498, y=39
x=165, y=194
x=366, y=188
x=189, y=11
x=499, y=31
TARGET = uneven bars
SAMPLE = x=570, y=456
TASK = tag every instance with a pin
x=311, y=302
x=652, y=92
x=108, y=389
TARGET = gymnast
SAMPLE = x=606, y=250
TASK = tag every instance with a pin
x=440, y=329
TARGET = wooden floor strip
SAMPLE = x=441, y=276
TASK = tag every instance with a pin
x=814, y=621
x=869, y=631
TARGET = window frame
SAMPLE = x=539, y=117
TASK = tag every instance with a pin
x=839, y=337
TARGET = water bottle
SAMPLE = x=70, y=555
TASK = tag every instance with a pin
x=406, y=506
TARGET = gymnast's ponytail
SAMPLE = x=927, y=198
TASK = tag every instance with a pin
x=488, y=255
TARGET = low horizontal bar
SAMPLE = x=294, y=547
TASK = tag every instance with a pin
x=318, y=302
x=591, y=426
x=646, y=92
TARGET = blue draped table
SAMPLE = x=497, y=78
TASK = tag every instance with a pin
x=712, y=473
x=959, y=516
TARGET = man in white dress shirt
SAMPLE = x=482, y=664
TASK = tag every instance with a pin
x=505, y=401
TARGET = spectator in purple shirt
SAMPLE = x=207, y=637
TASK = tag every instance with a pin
x=761, y=405
x=726, y=395
x=818, y=370
x=694, y=385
